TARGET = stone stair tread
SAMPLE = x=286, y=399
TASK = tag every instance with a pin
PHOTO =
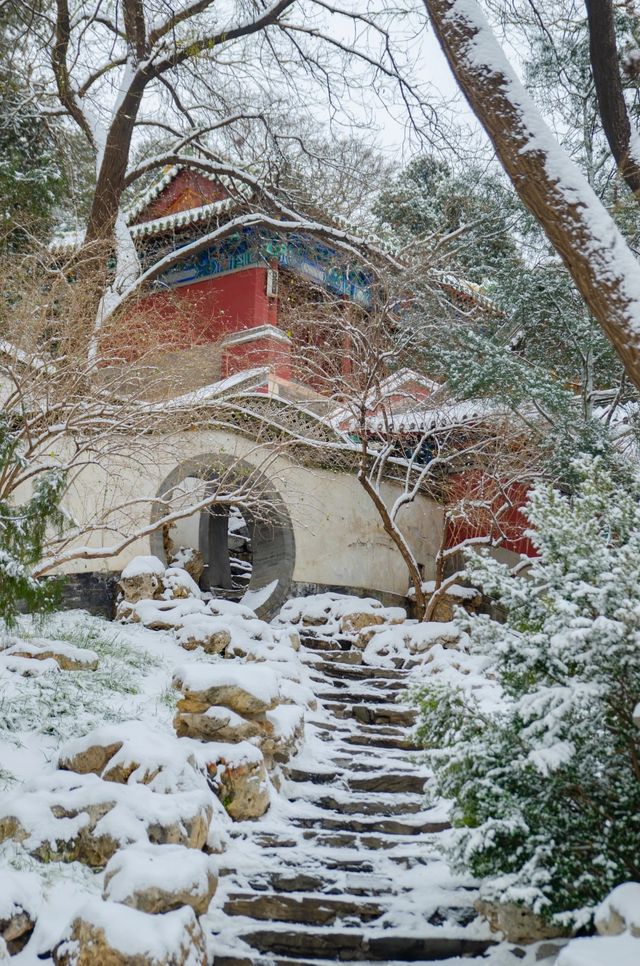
x=353, y=883
x=360, y=947
x=318, y=643
x=342, y=657
x=356, y=697
x=270, y=960
x=364, y=671
x=394, y=783
x=364, y=807
x=389, y=714
x=327, y=887
x=313, y=910
x=388, y=826
x=317, y=777
x=366, y=729
x=381, y=741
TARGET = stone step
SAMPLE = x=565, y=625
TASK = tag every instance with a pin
x=394, y=782
x=354, y=695
x=336, y=656
x=314, y=910
x=321, y=643
x=351, y=691
x=388, y=826
x=380, y=741
x=335, y=880
x=270, y=960
x=347, y=840
x=317, y=777
x=359, y=760
x=272, y=840
x=359, y=947
x=291, y=881
x=364, y=807
x=369, y=715
x=343, y=728
x=310, y=634
x=364, y=672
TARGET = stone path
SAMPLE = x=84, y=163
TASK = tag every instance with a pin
x=348, y=868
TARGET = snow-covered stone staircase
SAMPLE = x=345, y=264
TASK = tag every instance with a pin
x=348, y=864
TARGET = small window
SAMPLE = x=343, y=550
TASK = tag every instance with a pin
x=272, y=283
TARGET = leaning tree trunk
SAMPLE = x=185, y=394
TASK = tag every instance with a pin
x=551, y=186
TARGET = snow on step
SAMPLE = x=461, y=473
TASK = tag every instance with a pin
x=348, y=866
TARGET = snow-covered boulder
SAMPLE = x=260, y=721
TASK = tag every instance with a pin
x=110, y=934
x=66, y=656
x=132, y=752
x=516, y=922
x=232, y=608
x=621, y=950
x=237, y=773
x=217, y=724
x=27, y=667
x=456, y=595
x=190, y=560
x=246, y=689
x=20, y=899
x=160, y=615
x=142, y=578
x=159, y=878
x=331, y=613
x=392, y=645
x=202, y=630
x=178, y=584
x=620, y=911
x=66, y=817
x=285, y=734
x=245, y=790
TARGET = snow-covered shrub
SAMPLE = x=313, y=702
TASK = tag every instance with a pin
x=546, y=785
x=22, y=532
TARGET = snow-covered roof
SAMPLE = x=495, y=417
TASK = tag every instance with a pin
x=246, y=379
x=180, y=219
x=394, y=382
x=158, y=226
x=170, y=174
x=429, y=415
x=69, y=240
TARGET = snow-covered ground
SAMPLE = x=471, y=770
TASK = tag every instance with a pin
x=70, y=675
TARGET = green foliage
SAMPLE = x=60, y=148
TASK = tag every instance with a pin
x=30, y=176
x=545, y=775
x=23, y=528
x=71, y=703
x=428, y=198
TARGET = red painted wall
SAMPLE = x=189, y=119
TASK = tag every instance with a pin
x=201, y=312
x=477, y=521
x=261, y=352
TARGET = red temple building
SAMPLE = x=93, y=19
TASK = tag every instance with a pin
x=222, y=310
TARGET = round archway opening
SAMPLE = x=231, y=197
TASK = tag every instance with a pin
x=242, y=551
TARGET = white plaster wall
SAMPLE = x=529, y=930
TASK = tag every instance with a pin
x=338, y=535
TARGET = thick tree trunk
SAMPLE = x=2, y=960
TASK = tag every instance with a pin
x=603, y=51
x=110, y=182
x=546, y=180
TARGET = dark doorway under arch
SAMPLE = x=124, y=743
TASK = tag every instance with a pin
x=270, y=533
